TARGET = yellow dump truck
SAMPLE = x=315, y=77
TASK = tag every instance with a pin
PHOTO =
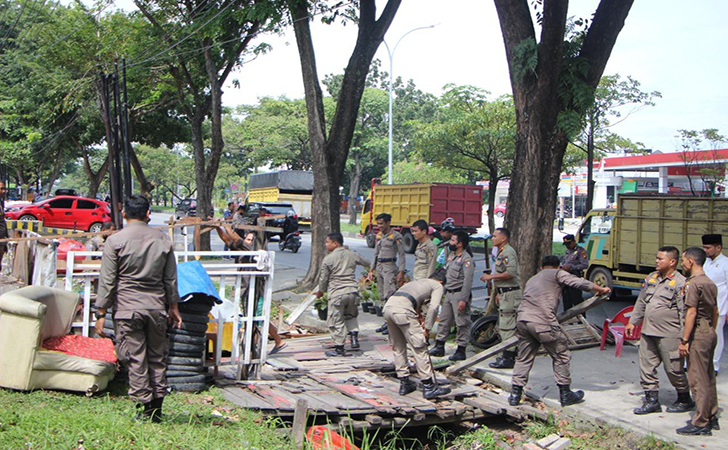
x=622, y=242
x=432, y=202
x=284, y=186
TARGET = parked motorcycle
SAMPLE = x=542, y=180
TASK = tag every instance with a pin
x=292, y=242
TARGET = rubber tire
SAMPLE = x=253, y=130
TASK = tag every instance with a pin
x=194, y=327
x=185, y=354
x=195, y=307
x=194, y=318
x=295, y=248
x=281, y=245
x=188, y=348
x=602, y=276
x=177, y=331
x=27, y=217
x=481, y=325
x=371, y=239
x=409, y=242
x=184, y=368
x=187, y=339
x=186, y=380
x=182, y=373
x=95, y=227
x=189, y=387
x=184, y=361
x=499, y=214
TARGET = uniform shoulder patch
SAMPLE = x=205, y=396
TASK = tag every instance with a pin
x=468, y=263
x=505, y=260
x=672, y=283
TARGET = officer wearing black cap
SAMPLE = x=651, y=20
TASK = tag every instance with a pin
x=575, y=262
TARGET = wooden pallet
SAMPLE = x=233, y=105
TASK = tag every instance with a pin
x=580, y=333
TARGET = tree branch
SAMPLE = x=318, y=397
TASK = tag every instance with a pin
x=602, y=35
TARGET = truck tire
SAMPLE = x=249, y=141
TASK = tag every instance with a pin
x=185, y=361
x=371, y=239
x=183, y=368
x=195, y=378
x=409, y=241
x=182, y=373
x=188, y=387
x=187, y=339
x=187, y=348
x=193, y=327
x=484, y=332
x=601, y=276
x=195, y=307
x=194, y=318
x=177, y=331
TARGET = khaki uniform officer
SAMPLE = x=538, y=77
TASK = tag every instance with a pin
x=659, y=308
x=388, y=258
x=576, y=261
x=456, y=308
x=507, y=283
x=139, y=280
x=537, y=326
x=698, y=342
x=426, y=252
x=402, y=314
x=339, y=279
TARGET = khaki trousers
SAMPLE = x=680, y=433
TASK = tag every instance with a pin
x=141, y=345
x=449, y=314
x=531, y=336
x=386, y=280
x=701, y=375
x=404, y=328
x=655, y=350
x=343, y=312
x=508, y=303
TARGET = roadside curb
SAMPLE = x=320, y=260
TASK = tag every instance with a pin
x=575, y=415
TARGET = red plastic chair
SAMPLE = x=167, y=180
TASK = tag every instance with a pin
x=616, y=326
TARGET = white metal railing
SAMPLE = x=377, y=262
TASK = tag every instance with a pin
x=230, y=276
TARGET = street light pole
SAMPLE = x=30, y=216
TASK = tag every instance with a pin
x=391, y=75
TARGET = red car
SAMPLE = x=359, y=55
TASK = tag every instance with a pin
x=76, y=213
x=500, y=210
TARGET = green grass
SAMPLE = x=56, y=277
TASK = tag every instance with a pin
x=348, y=228
x=57, y=420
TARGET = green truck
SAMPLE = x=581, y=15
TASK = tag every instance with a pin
x=622, y=242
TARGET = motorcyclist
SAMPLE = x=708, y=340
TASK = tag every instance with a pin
x=290, y=224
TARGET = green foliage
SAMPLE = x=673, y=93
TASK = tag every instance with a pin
x=422, y=172
x=701, y=162
x=525, y=58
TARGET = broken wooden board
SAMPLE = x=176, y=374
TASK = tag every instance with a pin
x=512, y=342
x=296, y=313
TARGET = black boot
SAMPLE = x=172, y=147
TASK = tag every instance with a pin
x=714, y=424
x=651, y=403
x=406, y=386
x=459, y=354
x=354, y=340
x=155, y=409
x=506, y=361
x=569, y=397
x=684, y=403
x=516, y=394
x=382, y=328
x=438, y=349
x=431, y=390
x=337, y=351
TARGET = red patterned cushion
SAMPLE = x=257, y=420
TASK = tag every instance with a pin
x=101, y=349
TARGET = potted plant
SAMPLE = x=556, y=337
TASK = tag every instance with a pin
x=321, y=305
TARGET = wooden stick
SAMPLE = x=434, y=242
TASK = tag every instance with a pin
x=298, y=430
x=302, y=307
x=512, y=342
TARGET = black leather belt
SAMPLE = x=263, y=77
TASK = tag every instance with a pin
x=452, y=291
x=503, y=290
x=387, y=260
x=408, y=297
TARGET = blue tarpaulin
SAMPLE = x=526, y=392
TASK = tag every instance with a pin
x=192, y=279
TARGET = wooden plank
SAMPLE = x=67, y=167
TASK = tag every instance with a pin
x=302, y=307
x=299, y=423
x=512, y=342
x=246, y=399
x=379, y=398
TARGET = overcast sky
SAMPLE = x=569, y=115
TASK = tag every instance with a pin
x=675, y=47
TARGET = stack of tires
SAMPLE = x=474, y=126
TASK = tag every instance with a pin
x=185, y=370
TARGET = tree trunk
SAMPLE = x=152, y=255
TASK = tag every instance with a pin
x=329, y=154
x=540, y=142
x=492, y=190
x=354, y=181
x=55, y=173
x=94, y=179
x=590, y=184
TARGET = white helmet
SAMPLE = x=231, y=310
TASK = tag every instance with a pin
x=290, y=214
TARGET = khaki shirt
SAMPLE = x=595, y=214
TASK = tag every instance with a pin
x=424, y=291
x=576, y=259
x=660, y=304
x=425, y=259
x=542, y=295
x=389, y=246
x=138, y=271
x=459, y=272
x=338, y=275
x=701, y=293
x=507, y=261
